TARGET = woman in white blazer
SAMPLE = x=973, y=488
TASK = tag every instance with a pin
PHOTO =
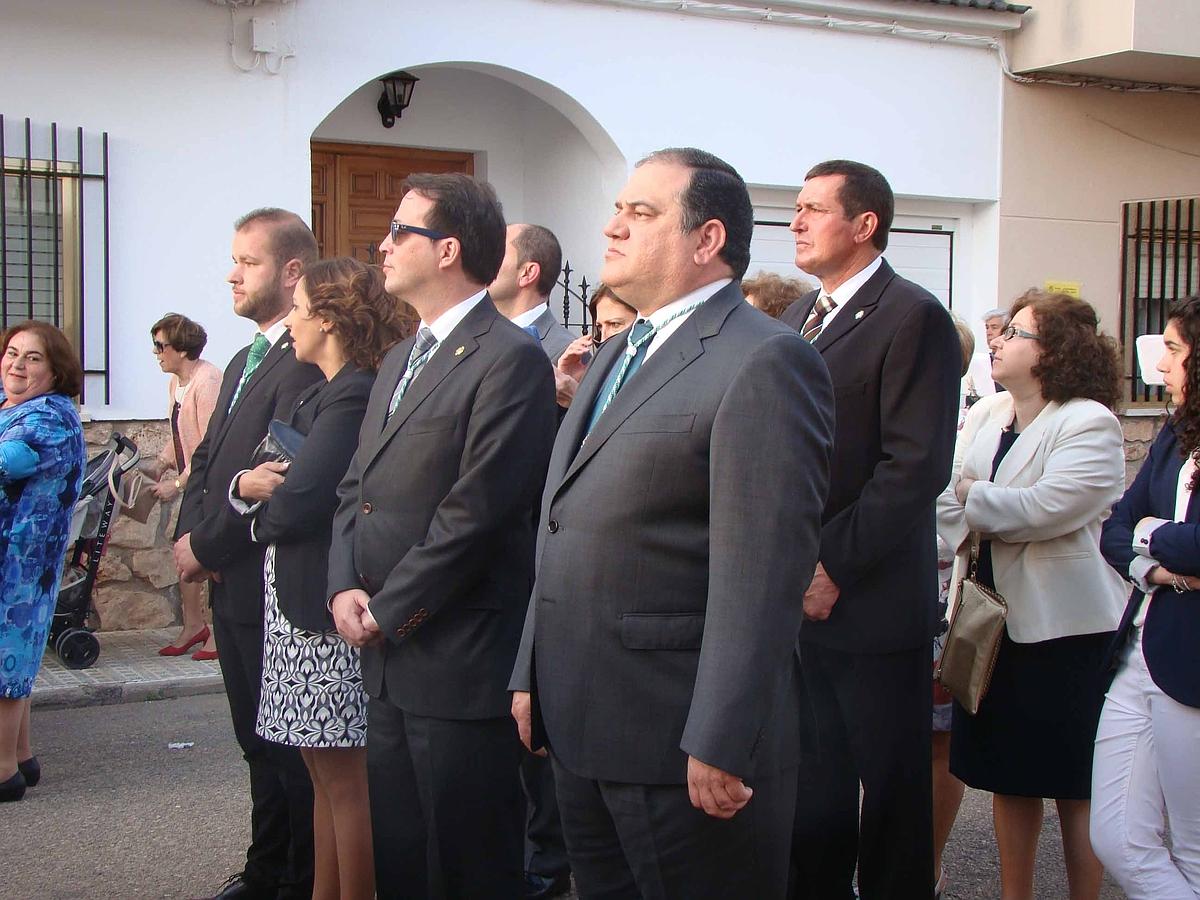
x=1036, y=470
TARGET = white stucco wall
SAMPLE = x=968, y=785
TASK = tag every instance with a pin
x=195, y=142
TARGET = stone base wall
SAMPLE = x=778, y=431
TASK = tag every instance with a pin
x=138, y=586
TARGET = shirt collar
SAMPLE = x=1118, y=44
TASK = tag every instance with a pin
x=530, y=315
x=845, y=293
x=448, y=321
x=660, y=316
x=274, y=333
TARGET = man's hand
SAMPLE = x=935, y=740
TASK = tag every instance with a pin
x=821, y=595
x=718, y=793
x=260, y=482
x=189, y=567
x=522, y=711
x=962, y=489
x=364, y=611
x=564, y=388
x=347, y=616
x=574, y=360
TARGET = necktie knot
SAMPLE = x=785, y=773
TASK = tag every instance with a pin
x=641, y=332
x=258, y=349
x=532, y=331
x=424, y=343
x=816, y=321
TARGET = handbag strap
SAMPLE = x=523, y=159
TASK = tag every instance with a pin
x=973, y=567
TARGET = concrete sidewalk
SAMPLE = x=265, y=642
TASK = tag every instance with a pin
x=129, y=670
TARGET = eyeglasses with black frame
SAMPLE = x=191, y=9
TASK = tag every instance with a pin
x=159, y=346
x=1011, y=332
x=399, y=227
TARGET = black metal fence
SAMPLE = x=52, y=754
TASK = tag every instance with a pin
x=575, y=300
x=54, y=235
x=1160, y=263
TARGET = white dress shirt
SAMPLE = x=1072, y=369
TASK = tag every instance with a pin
x=846, y=291
x=661, y=333
x=1144, y=563
x=448, y=321
x=530, y=315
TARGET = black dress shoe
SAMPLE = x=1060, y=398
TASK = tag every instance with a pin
x=13, y=789
x=238, y=888
x=540, y=887
x=32, y=770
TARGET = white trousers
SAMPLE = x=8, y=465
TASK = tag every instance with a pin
x=1146, y=773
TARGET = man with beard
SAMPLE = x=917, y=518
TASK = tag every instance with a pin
x=270, y=249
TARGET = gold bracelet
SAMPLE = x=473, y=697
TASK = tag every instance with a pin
x=1180, y=585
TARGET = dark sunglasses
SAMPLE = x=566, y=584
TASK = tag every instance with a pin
x=159, y=346
x=398, y=227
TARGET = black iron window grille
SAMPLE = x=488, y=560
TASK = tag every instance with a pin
x=575, y=301
x=54, y=237
x=1160, y=263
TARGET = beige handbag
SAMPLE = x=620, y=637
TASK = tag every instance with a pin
x=134, y=497
x=973, y=640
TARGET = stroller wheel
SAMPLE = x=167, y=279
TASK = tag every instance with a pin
x=77, y=648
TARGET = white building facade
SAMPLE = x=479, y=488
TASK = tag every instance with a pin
x=552, y=101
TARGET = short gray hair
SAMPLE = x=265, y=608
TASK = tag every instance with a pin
x=996, y=313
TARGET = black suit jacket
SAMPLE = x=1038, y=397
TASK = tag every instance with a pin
x=895, y=360
x=673, y=550
x=435, y=516
x=221, y=538
x=1171, y=634
x=298, y=518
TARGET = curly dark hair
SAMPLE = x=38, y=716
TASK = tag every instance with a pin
x=1185, y=419
x=773, y=293
x=350, y=294
x=1076, y=359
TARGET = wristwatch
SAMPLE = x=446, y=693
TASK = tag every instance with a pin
x=178, y=486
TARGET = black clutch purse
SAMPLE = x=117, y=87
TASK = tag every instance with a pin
x=282, y=444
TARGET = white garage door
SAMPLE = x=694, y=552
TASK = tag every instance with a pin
x=920, y=248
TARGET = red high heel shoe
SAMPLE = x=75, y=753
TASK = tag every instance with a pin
x=176, y=650
x=203, y=654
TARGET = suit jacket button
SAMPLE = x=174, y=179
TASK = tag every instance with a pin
x=366, y=508
x=204, y=491
x=552, y=526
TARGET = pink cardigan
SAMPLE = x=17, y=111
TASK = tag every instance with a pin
x=198, y=405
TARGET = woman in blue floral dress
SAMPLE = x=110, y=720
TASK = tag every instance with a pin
x=41, y=467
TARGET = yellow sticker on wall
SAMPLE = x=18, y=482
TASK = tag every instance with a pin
x=1070, y=288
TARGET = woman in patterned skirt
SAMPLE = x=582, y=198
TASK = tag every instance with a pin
x=312, y=696
x=41, y=466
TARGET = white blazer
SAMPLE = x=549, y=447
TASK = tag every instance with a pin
x=1043, y=512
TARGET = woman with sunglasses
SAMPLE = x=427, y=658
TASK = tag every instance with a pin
x=192, y=396
x=1147, y=769
x=1036, y=471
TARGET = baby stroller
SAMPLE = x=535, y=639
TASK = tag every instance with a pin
x=70, y=636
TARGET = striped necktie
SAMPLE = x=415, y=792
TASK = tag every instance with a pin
x=816, y=321
x=258, y=350
x=640, y=337
x=422, y=350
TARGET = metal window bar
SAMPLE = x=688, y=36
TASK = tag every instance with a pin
x=1160, y=264
x=579, y=295
x=64, y=182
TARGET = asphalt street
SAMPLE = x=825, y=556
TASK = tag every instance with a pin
x=120, y=814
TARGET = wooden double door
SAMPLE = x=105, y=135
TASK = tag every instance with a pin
x=357, y=187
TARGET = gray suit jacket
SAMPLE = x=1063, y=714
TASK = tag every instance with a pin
x=554, y=337
x=435, y=516
x=673, y=551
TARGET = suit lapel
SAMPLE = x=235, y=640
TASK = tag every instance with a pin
x=1026, y=445
x=457, y=347
x=864, y=302
x=280, y=350
x=543, y=323
x=676, y=354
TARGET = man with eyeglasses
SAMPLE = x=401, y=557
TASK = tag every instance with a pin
x=432, y=557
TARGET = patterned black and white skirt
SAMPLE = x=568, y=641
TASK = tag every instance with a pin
x=312, y=694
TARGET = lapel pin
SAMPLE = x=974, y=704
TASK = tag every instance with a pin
x=460, y=351
x=858, y=315
x=283, y=346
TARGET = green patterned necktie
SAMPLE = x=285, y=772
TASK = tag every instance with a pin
x=258, y=349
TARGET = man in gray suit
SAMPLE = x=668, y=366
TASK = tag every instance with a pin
x=521, y=290
x=432, y=555
x=680, y=525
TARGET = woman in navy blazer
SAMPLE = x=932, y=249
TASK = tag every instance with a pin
x=1147, y=760
x=312, y=696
